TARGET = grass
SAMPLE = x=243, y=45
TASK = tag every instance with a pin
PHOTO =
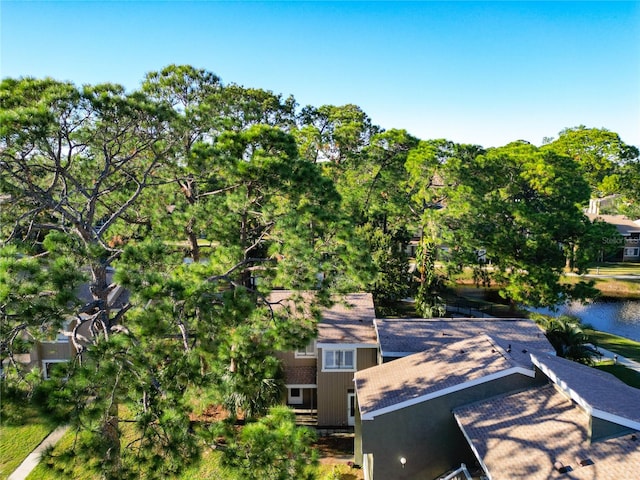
x=617, y=268
x=620, y=345
x=628, y=376
x=23, y=429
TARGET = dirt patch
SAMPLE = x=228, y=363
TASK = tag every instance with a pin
x=335, y=445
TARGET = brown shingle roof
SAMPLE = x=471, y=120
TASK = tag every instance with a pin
x=524, y=434
x=419, y=377
x=405, y=336
x=300, y=375
x=348, y=321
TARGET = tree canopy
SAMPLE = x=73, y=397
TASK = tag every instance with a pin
x=197, y=199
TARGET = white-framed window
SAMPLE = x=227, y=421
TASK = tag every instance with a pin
x=47, y=366
x=307, y=352
x=632, y=252
x=295, y=396
x=339, y=359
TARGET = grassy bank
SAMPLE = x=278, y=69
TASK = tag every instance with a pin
x=628, y=376
x=620, y=345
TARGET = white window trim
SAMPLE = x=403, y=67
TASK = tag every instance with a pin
x=631, y=251
x=339, y=369
x=44, y=366
x=307, y=354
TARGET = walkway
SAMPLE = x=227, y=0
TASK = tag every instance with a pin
x=33, y=458
x=633, y=365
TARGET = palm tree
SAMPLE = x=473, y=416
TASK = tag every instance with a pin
x=568, y=337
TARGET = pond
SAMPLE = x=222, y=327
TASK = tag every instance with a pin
x=618, y=316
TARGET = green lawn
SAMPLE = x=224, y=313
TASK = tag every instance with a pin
x=628, y=376
x=23, y=429
x=618, y=268
x=620, y=345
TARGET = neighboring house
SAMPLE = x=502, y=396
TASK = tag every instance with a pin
x=630, y=231
x=46, y=354
x=448, y=393
x=320, y=376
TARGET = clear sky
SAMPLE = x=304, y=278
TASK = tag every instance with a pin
x=473, y=72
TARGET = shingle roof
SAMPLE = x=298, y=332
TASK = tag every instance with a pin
x=405, y=336
x=348, y=321
x=421, y=376
x=300, y=375
x=625, y=225
x=600, y=393
x=524, y=434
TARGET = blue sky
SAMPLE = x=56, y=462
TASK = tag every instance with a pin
x=473, y=72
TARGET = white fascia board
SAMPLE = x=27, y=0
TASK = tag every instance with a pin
x=576, y=397
x=610, y=417
x=474, y=449
x=301, y=385
x=345, y=346
x=449, y=390
x=395, y=354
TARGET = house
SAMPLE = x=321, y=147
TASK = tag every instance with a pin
x=630, y=235
x=45, y=354
x=320, y=376
x=428, y=368
x=488, y=394
x=583, y=424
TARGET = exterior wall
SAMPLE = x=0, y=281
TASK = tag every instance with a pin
x=631, y=251
x=333, y=388
x=54, y=351
x=289, y=359
x=426, y=434
x=600, y=429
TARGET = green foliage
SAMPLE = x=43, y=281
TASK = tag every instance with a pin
x=204, y=198
x=600, y=155
x=273, y=448
x=569, y=338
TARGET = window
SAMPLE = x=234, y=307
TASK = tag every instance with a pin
x=48, y=367
x=295, y=396
x=308, y=351
x=338, y=360
x=631, y=252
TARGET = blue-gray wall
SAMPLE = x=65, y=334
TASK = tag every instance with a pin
x=427, y=434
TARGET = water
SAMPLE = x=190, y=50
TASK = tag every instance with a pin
x=620, y=317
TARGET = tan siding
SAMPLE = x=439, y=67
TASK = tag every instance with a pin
x=54, y=351
x=333, y=388
x=289, y=358
x=367, y=358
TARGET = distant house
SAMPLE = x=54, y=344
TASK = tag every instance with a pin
x=489, y=394
x=629, y=230
x=320, y=376
x=47, y=353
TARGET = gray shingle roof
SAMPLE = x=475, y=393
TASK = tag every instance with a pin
x=402, y=337
x=421, y=376
x=524, y=434
x=600, y=393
